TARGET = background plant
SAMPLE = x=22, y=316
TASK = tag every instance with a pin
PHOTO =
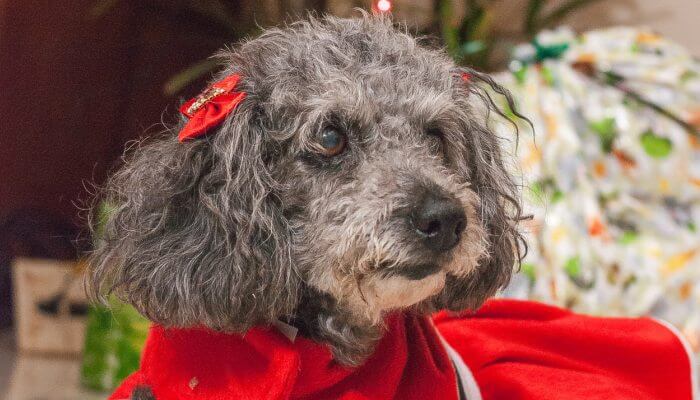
x=465, y=27
x=474, y=40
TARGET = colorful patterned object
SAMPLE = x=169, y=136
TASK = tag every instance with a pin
x=614, y=181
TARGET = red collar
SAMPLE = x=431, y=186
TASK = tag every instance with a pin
x=409, y=363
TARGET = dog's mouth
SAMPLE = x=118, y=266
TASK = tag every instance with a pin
x=414, y=272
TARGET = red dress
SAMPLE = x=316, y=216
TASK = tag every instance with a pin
x=507, y=350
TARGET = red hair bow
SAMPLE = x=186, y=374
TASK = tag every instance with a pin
x=210, y=108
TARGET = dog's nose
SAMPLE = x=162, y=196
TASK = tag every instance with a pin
x=439, y=221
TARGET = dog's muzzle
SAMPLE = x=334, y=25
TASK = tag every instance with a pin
x=439, y=220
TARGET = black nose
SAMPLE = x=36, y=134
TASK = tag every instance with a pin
x=439, y=221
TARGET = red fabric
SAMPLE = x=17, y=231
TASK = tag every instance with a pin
x=516, y=350
x=409, y=363
x=213, y=111
x=526, y=350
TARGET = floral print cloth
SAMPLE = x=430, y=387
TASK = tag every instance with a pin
x=613, y=184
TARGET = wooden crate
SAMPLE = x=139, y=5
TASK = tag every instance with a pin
x=36, y=282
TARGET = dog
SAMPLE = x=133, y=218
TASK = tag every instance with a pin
x=359, y=176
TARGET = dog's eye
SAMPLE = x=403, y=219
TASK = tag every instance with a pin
x=332, y=141
x=437, y=138
x=434, y=132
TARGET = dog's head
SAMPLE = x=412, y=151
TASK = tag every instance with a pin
x=358, y=176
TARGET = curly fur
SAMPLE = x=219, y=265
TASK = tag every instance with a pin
x=250, y=224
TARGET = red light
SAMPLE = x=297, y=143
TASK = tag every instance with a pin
x=384, y=5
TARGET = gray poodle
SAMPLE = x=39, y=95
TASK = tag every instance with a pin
x=358, y=176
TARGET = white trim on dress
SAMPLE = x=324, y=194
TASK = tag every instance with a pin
x=464, y=374
x=694, y=375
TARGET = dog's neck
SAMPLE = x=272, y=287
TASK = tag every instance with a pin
x=320, y=318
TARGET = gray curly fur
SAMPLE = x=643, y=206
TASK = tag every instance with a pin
x=249, y=224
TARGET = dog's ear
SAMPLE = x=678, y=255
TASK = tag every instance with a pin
x=195, y=234
x=480, y=161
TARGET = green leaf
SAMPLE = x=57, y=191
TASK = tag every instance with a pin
x=482, y=25
x=688, y=75
x=528, y=270
x=656, y=146
x=115, y=336
x=507, y=111
x=215, y=10
x=628, y=237
x=104, y=210
x=537, y=192
x=547, y=75
x=556, y=15
x=188, y=75
x=629, y=282
x=607, y=132
x=573, y=267
x=449, y=32
x=532, y=13
x=554, y=51
x=557, y=196
x=520, y=74
x=612, y=78
x=472, y=47
x=472, y=21
x=545, y=190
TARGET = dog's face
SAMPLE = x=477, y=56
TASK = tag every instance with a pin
x=377, y=189
x=357, y=177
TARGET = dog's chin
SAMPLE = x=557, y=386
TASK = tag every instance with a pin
x=419, y=271
x=401, y=291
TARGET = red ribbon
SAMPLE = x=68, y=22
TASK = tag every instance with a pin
x=210, y=108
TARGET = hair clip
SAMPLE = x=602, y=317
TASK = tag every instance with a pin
x=210, y=107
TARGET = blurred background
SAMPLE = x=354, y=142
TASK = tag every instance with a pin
x=613, y=182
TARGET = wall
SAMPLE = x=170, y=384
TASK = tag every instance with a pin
x=77, y=86
x=677, y=19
